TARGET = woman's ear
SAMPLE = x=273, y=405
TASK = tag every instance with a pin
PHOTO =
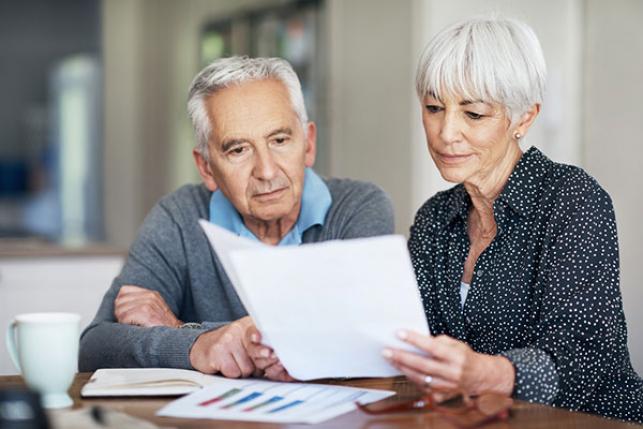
x=527, y=119
x=205, y=171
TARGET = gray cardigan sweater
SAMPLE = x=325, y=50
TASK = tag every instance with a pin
x=171, y=255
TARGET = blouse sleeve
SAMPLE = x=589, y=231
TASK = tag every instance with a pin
x=580, y=324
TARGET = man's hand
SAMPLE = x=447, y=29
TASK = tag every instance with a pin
x=224, y=350
x=264, y=358
x=139, y=306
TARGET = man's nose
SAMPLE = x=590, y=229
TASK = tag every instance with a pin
x=451, y=128
x=265, y=166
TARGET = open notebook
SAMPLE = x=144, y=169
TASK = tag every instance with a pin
x=145, y=382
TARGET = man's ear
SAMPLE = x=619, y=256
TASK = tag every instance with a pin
x=204, y=170
x=311, y=144
x=527, y=119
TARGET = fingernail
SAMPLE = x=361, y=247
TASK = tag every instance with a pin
x=265, y=353
x=402, y=334
x=254, y=338
x=387, y=353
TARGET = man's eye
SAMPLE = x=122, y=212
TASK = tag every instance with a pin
x=474, y=115
x=280, y=140
x=239, y=150
x=431, y=108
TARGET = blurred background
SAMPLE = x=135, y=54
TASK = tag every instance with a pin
x=93, y=127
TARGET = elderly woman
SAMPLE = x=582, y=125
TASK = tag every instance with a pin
x=518, y=263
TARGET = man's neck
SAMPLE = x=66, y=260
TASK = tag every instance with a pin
x=272, y=232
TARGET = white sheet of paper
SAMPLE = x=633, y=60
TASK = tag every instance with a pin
x=327, y=309
x=267, y=401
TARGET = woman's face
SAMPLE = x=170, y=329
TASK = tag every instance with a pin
x=467, y=139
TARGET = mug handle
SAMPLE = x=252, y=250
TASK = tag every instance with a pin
x=10, y=339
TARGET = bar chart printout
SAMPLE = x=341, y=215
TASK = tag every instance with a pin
x=267, y=401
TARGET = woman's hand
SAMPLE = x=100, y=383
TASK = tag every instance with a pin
x=450, y=366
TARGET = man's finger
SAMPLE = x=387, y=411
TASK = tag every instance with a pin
x=277, y=372
x=243, y=361
x=253, y=335
x=228, y=366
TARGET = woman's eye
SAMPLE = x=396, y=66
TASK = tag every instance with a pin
x=474, y=115
x=431, y=108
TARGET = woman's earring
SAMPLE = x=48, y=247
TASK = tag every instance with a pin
x=517, y=136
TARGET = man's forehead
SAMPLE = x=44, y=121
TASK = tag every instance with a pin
x=250, y=110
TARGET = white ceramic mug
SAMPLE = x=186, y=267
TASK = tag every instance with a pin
x=44, y=348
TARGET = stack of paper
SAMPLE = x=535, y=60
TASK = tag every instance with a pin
x=327, y=309
x=145, y=382
x=265, y=401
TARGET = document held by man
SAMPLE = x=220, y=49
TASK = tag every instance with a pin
x=329, y=308
x=266, y=401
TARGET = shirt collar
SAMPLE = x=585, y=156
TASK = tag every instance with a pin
x=315, y=203
x=519, y=192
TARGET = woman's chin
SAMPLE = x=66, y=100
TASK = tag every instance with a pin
x=453, y=175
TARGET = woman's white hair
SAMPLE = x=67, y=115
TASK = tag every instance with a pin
x=226, y=72
x=487, y=58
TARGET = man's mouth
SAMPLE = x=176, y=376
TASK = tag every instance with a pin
x=270, y=195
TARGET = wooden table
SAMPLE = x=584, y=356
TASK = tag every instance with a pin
x=523, y=414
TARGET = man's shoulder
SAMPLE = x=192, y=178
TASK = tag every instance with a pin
x=349, y=189
x=188, y=201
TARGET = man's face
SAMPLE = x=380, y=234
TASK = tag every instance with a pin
x=259, y=150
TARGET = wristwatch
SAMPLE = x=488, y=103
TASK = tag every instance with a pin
x=191, y=325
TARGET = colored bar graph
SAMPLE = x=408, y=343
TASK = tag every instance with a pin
x=285, y=407
x=245, y=399
x=264, y=403
x=219, y=398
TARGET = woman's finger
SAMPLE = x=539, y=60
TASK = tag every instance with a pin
x=426, y=384
x=438, y=347
x=421, y=364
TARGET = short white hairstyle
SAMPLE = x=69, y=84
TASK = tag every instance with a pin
x=487, y=58
x=226, y=72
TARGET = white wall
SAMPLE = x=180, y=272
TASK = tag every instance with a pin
x=370, y=86
x=613, y=149
x=58, y=284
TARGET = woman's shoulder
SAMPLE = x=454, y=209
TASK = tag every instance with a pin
x=440, y=208
x=570, y=185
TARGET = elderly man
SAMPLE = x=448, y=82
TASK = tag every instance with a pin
x=172, y=305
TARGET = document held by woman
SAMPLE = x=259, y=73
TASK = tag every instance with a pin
x=329, y=308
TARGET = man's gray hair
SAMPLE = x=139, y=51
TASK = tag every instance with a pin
x=487, y=58
x=226, y=72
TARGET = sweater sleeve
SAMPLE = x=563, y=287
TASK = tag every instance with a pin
x=366, y=211
x=581, y=310
x=156, y=261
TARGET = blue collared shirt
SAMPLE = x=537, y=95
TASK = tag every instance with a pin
x=315, y=203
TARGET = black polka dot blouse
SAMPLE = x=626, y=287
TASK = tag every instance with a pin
x=545, y=293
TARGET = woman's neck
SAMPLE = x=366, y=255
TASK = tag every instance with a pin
x=485, y=188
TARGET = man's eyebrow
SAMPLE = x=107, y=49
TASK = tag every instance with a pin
x=229, y=144
x=283, y=130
